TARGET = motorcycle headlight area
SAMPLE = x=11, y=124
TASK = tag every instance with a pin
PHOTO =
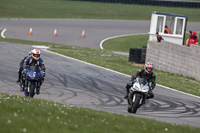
x=30, y=76
x=37, y=77
x=145, y=89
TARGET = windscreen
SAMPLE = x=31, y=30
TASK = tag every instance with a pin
x=34, y=68
x=142, y=81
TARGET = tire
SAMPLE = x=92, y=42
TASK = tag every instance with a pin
x=136, y=105
x=129, y=102
x=32, y=90
x=129, y=110
x=143, y=53
x=21, y=84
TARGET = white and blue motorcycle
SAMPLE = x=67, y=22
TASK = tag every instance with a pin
x=137, y=94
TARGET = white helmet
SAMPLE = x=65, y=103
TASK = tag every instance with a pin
x=36, y=54
x=148, y=67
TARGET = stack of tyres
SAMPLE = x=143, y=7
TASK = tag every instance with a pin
x=137, y=55
x=143, y=54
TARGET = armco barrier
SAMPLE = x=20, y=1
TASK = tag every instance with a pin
x=170, y=3
x=173, y=58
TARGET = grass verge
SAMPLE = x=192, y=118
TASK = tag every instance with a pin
x=87, y=10
x=21, y=115
x=108, y=59
x=123, y=44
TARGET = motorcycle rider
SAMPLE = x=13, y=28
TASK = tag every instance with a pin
x=146, y=73
x=33, y=60
x=21, y=67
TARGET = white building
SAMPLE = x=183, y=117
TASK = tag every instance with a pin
x=175, y=23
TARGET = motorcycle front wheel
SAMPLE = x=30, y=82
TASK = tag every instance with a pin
x=135, y=105
x=32, y=90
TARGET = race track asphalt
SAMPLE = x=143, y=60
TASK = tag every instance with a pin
x=91, y=86
x=69, y=30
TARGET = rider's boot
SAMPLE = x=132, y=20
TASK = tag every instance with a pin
x=126, y=96
x=19, y=75
x=38, y=91
x=38, y=88
x=26, y=93
x=150, y=94
x=21, y=89
x=128, y=86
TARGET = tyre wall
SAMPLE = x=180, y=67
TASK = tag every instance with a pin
x=173, y=58
x=137, y=55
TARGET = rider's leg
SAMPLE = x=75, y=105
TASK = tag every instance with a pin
x=128, y=86
x=19, y=74
x=150, y=94
x=38, y=86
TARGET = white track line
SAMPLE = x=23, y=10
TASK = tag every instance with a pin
x=114, y=71
x=2, y=33
x=101, y=43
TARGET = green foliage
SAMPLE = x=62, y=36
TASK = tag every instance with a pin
x=175, y=81
x=86, y=10
x=118, y=63
x=21, y=115
x=123, y=44
x=106, y=58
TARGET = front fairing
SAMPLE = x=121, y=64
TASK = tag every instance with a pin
x=141, y=85
x=34, y=73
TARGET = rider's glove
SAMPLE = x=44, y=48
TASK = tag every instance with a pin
x=25, y=70
x=43, y=74
x=132, y=81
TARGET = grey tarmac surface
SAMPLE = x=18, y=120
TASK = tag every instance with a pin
x=79, y=84
x=69, y=30
x=89, y=86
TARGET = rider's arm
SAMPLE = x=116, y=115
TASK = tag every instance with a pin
x=41, y=63
x=136, y=74
x=26, y=63
x=22, y=61
x=42, y=66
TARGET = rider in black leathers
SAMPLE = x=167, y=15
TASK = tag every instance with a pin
x=33, y=60
x=146, y=73
x=21, y=67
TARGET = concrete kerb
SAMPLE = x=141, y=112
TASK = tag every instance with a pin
x=114, y=71
x=2, y=33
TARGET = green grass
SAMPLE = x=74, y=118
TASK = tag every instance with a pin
x=118, y=63
x=87, y=10
x=123, y=44
x=21, y=114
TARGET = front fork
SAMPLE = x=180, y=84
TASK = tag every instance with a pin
x=131, y=98
x=28, y=84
